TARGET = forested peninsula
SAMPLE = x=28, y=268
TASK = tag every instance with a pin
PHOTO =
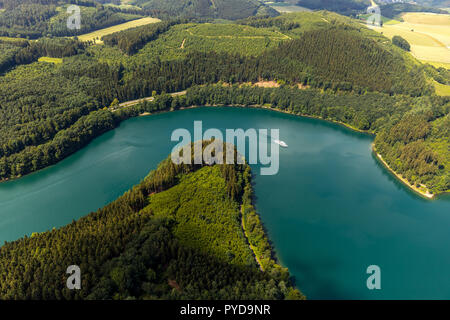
x=335, y=70
x=152, y=243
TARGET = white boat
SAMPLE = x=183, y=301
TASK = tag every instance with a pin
x=281, y=143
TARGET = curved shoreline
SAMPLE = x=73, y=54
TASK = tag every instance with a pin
x=425, y=194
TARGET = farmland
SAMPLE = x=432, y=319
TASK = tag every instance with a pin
x=96, y=35
x=428, y=34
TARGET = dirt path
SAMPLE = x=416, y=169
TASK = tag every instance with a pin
x=282, y=36
x=249, y=244
x=134, y=102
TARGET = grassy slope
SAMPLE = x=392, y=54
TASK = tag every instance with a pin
x=441, y=89
x=50, y=60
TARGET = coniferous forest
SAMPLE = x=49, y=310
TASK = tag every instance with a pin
x=139, y=247
x=152, y=242
x=61, y=113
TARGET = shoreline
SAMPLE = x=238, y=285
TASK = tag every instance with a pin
x=265, y=108
x=425, y=194
x=313, y=117
x=416, y=190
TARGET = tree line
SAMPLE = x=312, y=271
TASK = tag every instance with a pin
x=26, y=52
x=60, y=96
x=127, y=251
x=130, y=41
x=34, y=19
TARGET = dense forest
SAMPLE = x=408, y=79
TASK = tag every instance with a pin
x=132, y=40
x=46, y=110
x=267, y=22
x=355, y=7
x=135, y=247
x=435, y=3
x=34, y=19
x=8, y=53
x=345, y=7
x=220, y=9
x=147, y=244
x=392, y=10
x=14, y=53
x=319, y=58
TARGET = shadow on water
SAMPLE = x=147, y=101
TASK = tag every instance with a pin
x=111, y=164
x=399, y=184
x=324, y=287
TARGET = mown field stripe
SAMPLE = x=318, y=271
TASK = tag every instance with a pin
x=92, y=36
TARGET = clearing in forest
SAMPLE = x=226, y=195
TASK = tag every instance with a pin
x=98, y=34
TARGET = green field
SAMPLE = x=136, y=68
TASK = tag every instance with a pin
x=442, y=89
x=11, y=39
x=123, y=6
x=50, y=60
x=439, y=64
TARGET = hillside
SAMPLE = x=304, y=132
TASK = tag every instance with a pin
x=345, y=57
x=219, y=9
x=388, y=8
x=33, y=19
x=176, y=235
x=392, y=10
x=435, y=3
x=45, y=124
x=345, y=7
x=314, y=43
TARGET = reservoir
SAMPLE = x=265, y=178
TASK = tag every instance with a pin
x=331, y=211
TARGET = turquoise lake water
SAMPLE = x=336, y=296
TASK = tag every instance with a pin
x=331, y=211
